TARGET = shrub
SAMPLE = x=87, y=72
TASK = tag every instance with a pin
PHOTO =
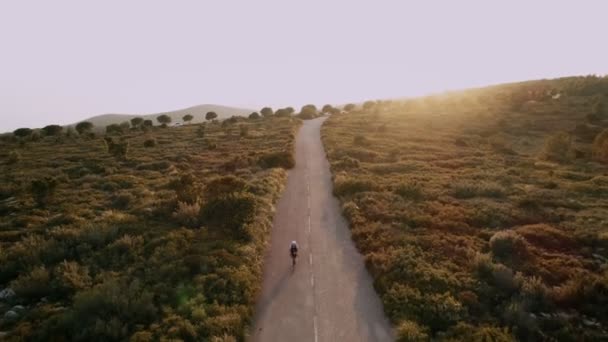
x=118, y=150
x=600, y=146
x=43, y=190
x=154, y=166
x=283, y=159
x=71, y=277
x=225, y=185
x=466, y=332
x=187, y=118
x=163, y=119
x=201, y=130
x=109, y=311
x=534, y=294
x=186, y=188
x=22, y=132
x=13, y=157
x=123, y=200
x=348, y=186
x=244, y=130
x=187, y=213
x=233, y=212
x=84, y=127
x=350, y=107
x=504, y=279
x=137, y=122
x=210, y=116
x=147, y=123
x=411, y=191
x=114, y=129
x=438, y=311
x=558, y=147
x=254, y=116
x=266, y=111
x=508, y=245
x=150, y=142
x=410, y=331
x=33, y=285
x=52, y=130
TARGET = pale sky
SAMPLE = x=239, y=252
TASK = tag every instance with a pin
x=62, y=61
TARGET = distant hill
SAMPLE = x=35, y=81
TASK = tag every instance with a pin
x=198, y=112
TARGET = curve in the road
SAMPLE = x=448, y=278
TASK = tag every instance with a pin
x=329, y=295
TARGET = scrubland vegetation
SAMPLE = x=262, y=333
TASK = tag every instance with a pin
x=144, y=234
x=482, y=214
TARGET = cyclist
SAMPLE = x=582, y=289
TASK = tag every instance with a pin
x=293, y=250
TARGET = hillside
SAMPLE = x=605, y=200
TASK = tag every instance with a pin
x=155, y=234
x=198, y=112
x=482, y=214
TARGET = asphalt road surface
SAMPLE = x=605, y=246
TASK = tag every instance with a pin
x=328, y=296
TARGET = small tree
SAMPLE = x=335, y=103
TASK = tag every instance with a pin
x=147, y=123
x=254, y=116
x=327, y=109
x=52, y=130
x=125, y=126
x=210, y=116
x=367, y=105
x=350, y=107
x=22, y=132
x=84, y=127
x=136, y=122
x=43, y=190
x=163, y=119
x=187, y=118
x=266, y=112
x=281, y=112
x=113, y=129
x=289, y=110
x=308, y=112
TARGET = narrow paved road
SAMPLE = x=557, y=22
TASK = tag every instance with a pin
x=329, y=295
